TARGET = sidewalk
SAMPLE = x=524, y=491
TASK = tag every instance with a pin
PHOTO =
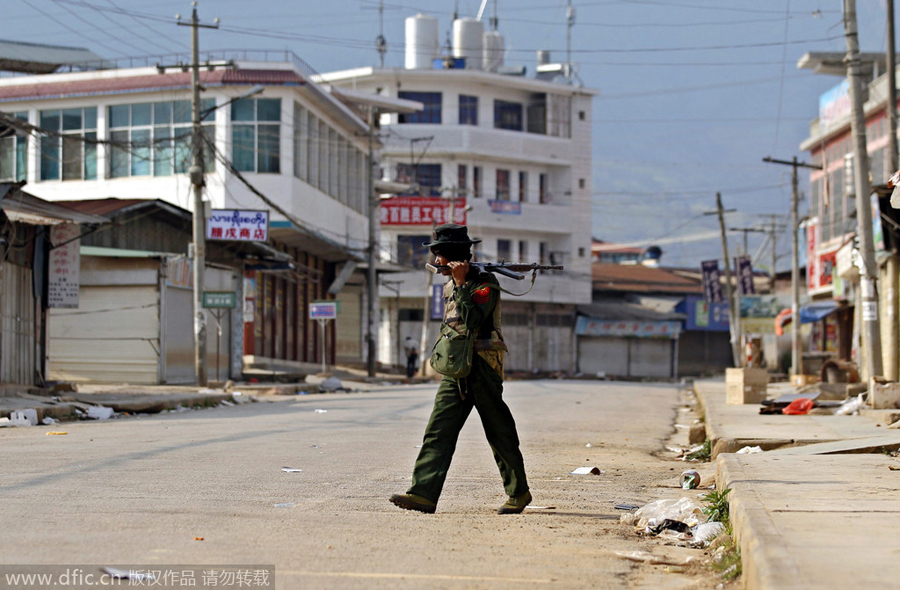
x=808, y=515
x=149, y=399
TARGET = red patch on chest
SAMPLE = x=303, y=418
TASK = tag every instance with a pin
x=481, y=295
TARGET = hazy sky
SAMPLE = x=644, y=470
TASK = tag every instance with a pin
x=693, y=93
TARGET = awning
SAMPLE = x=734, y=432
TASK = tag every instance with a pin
x=811, y=312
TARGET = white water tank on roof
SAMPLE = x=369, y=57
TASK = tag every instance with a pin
x=493, y=51
x=422, y=42
x=467, y=41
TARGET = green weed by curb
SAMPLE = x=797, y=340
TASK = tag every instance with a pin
x=717, y=510
x=702, y=454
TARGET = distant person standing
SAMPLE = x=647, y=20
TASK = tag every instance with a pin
x=412, y=356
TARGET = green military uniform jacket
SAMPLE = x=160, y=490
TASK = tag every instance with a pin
x=475, y=306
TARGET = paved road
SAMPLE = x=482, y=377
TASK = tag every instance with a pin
x=139, y=491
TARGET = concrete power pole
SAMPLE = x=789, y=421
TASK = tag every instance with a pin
x=197, y=182
x=372, y=275
x=796, y=344
x=892, y=370
x=869, y=271
x=734, y=310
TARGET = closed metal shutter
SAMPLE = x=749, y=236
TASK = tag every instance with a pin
x=17, y=344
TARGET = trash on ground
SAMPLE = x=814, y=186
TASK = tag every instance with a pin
x=198, y=538
x=100, y=412
x=589, y=445
x=683, y=510
x=227, y=403
x=48, y=420
x=674, y=569
x=136, y=575
x=749, y=451
x=645, y=557
x=5, y=422
x=291, y=470
x=626, y=507
x=26, y=417
x=587, y=471
x=540, y=508
x=285, y=505
x=330, y=384
x=321, y=411
x=893, y=468
x=670, y=525
x=706, y=533
x=690, y=480
x=798, y=407
x=851, y=406
x=56, y=433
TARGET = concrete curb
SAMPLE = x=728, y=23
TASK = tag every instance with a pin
x=766, y=562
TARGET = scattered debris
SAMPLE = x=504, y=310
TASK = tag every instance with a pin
x=626, y=507
x=330, y=384
x=291, y=470
x=227, y=403
x=851, y=407
x=100, y=412
x=285, y=505
x=699, y=453
x=589, y=445
x=540, y=508
x=56, y=433
x=198, y=538
x=683, y=510
x=321, y=411
x=893, y=468
x=645, y=557
x=5, y=422
x=26, y=417
x=587, y=471
x=48, y=420
x=690, y=480
x=707, y=532
x=749, y=451
x=798, y=407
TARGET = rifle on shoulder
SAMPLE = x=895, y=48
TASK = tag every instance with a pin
x=508, y=269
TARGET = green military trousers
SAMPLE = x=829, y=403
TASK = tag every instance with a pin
x=483, y=390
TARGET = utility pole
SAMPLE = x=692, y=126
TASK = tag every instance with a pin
x=892, y=370
x=734, y=311
x=197, y=182
x=745, y=231
x=796, y=344
x=372, y=275
x=868, y=273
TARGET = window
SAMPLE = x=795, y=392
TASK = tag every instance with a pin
x=13, y=150
x=461, y=177
x=523, y=186
x=468, y=110
x=72, y=156
x=301, y=163
x=523, y=251
x=545, y=252
x=154, y=138
x=581, y=252
x=581, y=183
x=430, y=114
x=411, y=252
x=502, y=193
x=476, y=182
x=537, y=113
x=427, y=176
x=504, y=250
x=255, y=135
x=507, y=115
x=581, y=115
x=543, y=194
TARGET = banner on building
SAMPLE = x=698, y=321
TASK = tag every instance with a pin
x=712, y=286
x=64, y=277
x=240, y=225
x=421, y=211
x=745, y=275
x=586, y=326
x=506, y=207
x=835, y=103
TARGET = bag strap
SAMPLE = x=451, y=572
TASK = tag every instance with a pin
x=533, y=277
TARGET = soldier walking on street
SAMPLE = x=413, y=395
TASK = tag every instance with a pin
x=472, y=309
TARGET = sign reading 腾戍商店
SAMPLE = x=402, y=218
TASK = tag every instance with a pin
x=238, y=224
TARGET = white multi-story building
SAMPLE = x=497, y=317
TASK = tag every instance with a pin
x=125, y=133
x=513, y=155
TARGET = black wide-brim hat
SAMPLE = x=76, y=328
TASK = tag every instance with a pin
x=450, y=234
